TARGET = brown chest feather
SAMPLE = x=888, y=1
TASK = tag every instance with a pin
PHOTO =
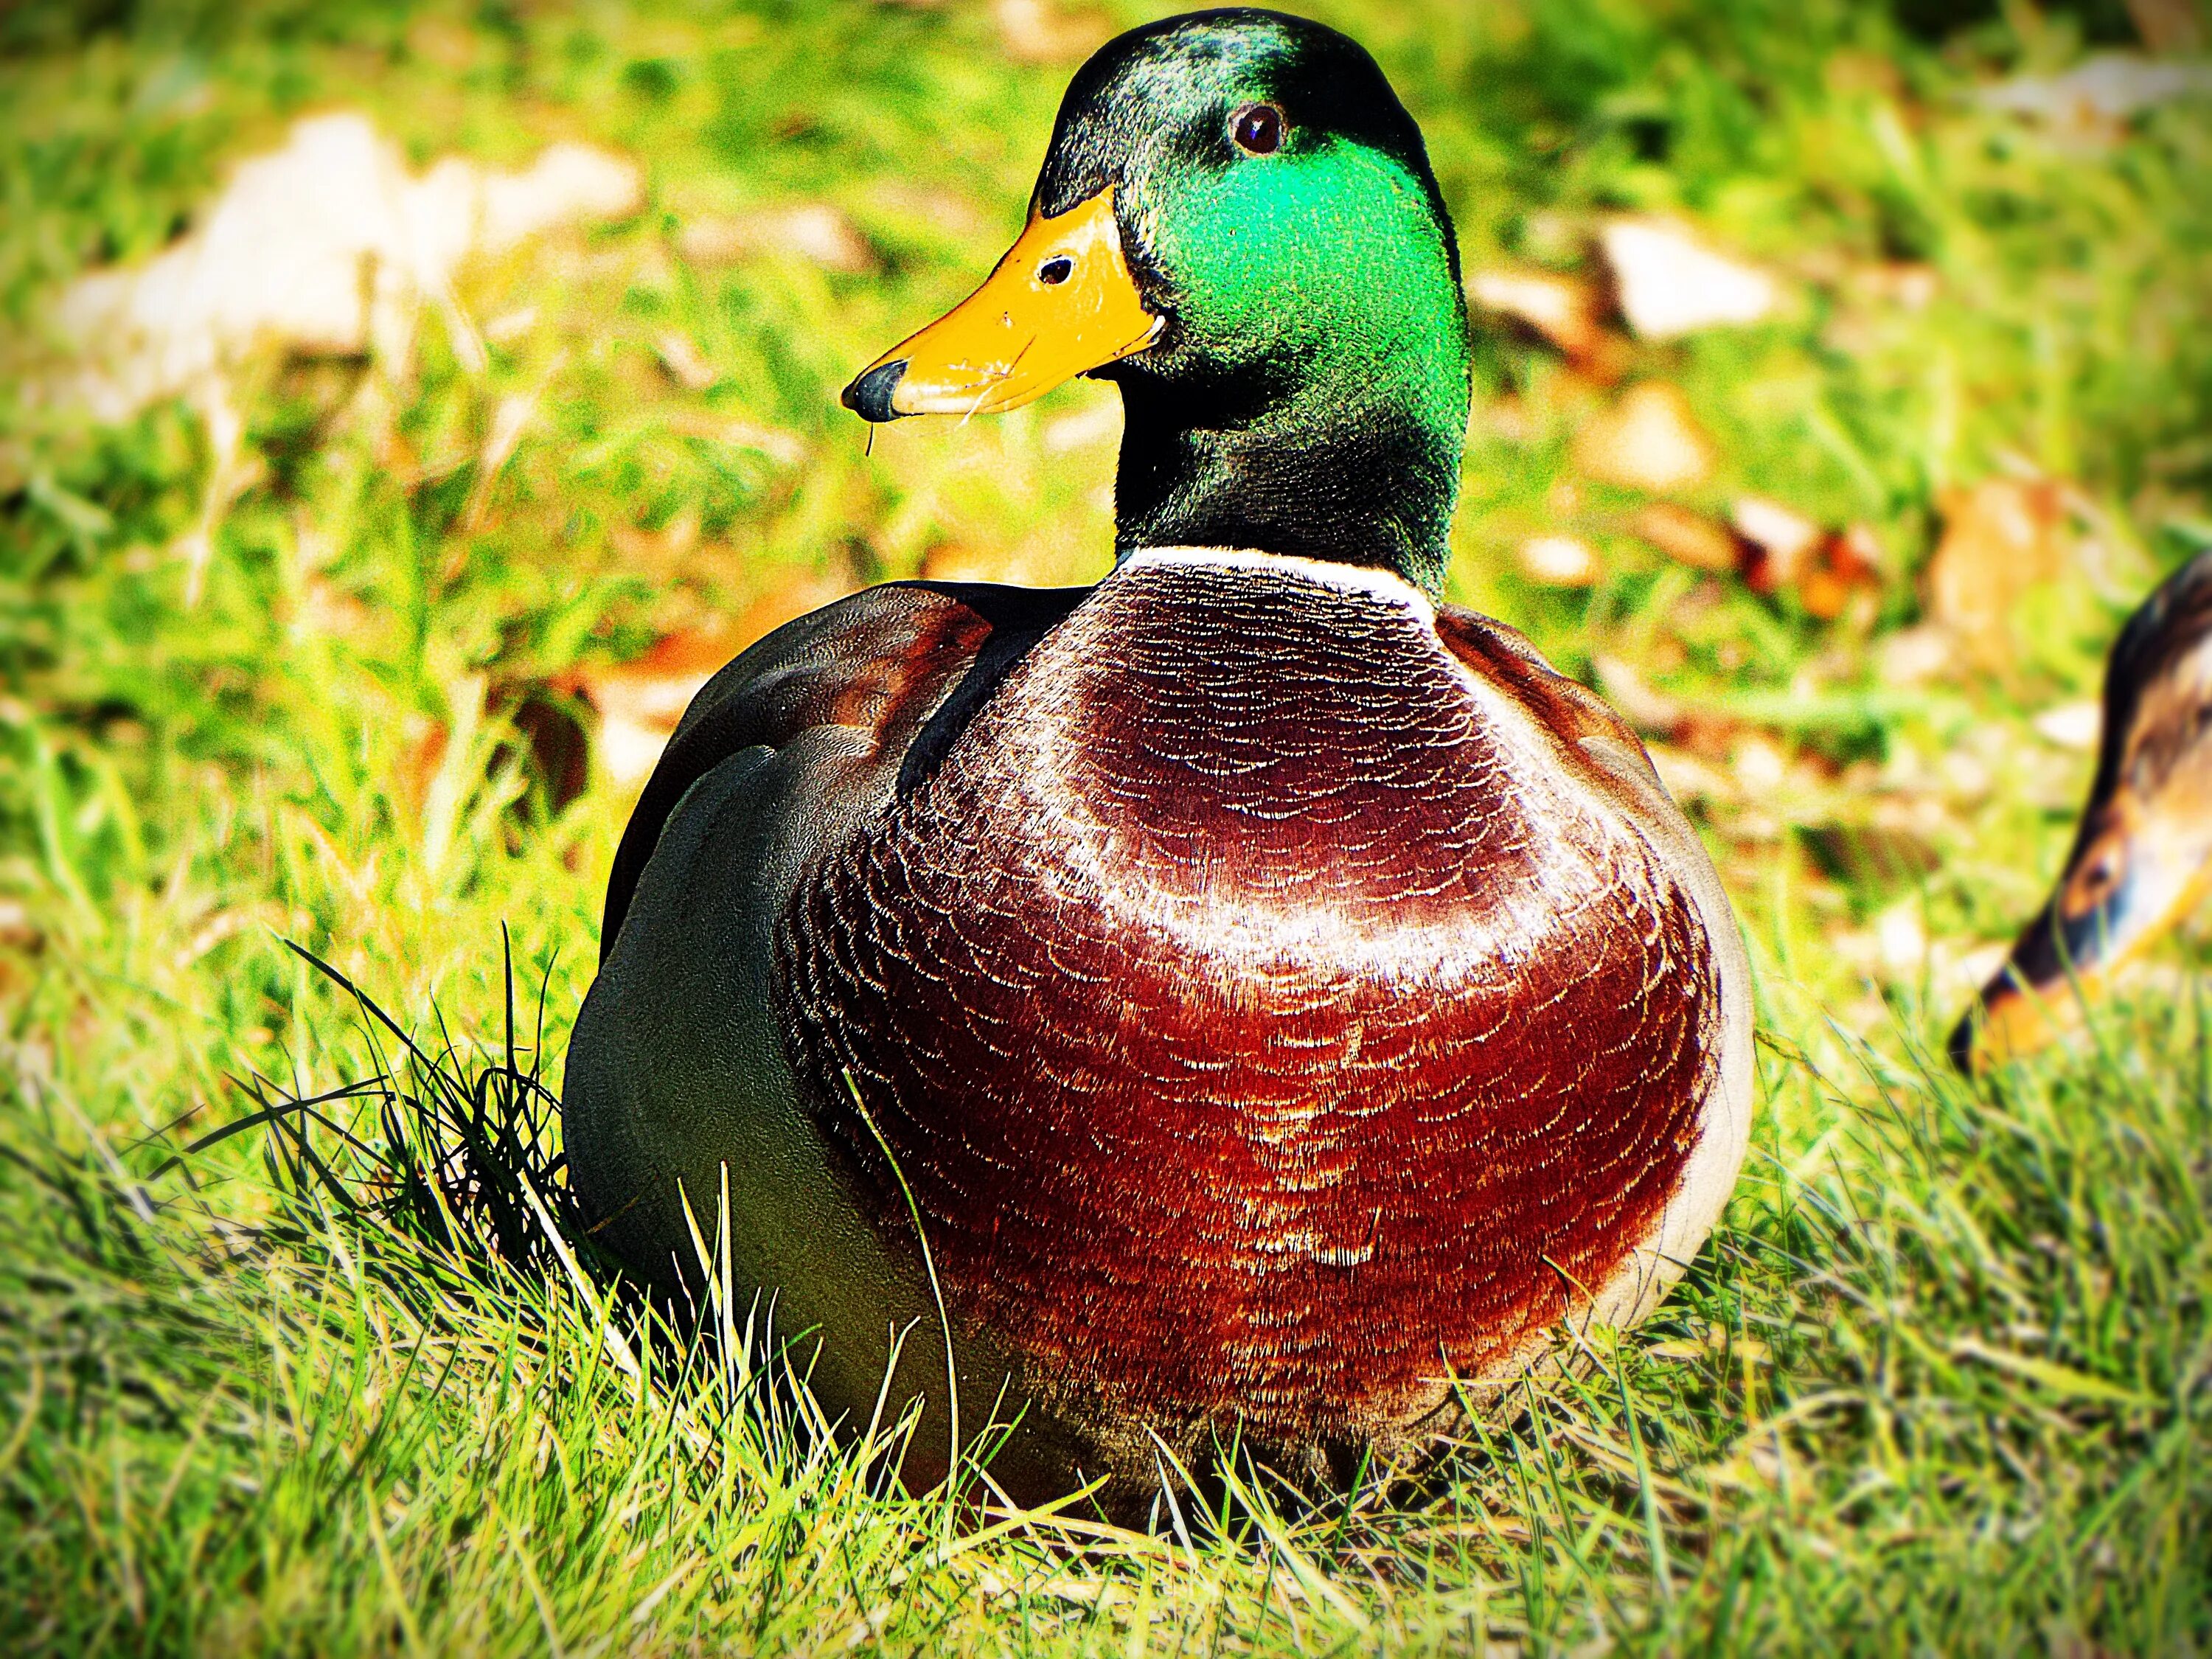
x=1260, y=1014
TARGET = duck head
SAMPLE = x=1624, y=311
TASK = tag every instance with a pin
x=2143, y=858
x=1237, y=223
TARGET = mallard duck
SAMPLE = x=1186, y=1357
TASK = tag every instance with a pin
x=2143, y=856
x=1257, y=997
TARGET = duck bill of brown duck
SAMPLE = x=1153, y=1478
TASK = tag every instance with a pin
x=2135, y=872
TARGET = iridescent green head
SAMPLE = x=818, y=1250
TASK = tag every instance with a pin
x=1237, y=222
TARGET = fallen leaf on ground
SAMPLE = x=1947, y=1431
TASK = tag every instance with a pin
x=1781, y=543
x=2071, y=724
x=545, y=720
x=1851, y=562
x=1781, y=549
x=326, y=247
x=659, y=552
x=1852, y=70
x=1559, y=561
x=1039, y=31
x=640, y=701
x=16, y=929
x=682, y=360
x=1912, y=656
x=567, y=183
x=1670, y=284
x=2110, y=88
x=1758, y=765
x=2001, y=537
x=1914, y=287
x=814, y=231
x=1635, y=699
x=1648, y=440
x=1690, y=538
x=327, y=608
x=1564, y=311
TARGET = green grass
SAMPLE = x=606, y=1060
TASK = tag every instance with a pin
x=1942, y=1382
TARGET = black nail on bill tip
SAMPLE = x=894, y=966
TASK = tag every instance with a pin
x=869, y=396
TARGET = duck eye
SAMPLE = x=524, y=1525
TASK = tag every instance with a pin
x=1257, y=129
x=2096, y=881
x=1055, y=270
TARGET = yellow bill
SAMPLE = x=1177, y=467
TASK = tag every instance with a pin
x=1061, y=301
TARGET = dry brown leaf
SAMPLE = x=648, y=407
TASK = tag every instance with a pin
x=1911, y=287
x=1912, y=656
x=1850, y=560
x=17, y=931
x=815, y=231
x=327, y=608
x=1690, y=538
x=640, y=701
x=422, y=751
x=2071, y=724
x=443, y=42
x=682, y=360
x=1851, y=70
x=2000, y=538
x=544, y=716
x=1783, y=548
x=1559, y=561
x=1690, y=776
x=1635, y=699
x=1781, y=543
x=326, y=246
x=1670, y=284
x=1759, y=765
x=1564, y=311
x=1648, y=440
x=2096, y=97
x=1039, y=31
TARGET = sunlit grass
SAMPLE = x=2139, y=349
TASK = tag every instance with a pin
x=353, y=1379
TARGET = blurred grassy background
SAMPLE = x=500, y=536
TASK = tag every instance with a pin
x=360, y=649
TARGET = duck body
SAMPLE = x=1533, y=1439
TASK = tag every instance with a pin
x=1270, y=1027
x=1258, y=998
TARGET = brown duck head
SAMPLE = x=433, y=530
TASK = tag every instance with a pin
x=2143, y=857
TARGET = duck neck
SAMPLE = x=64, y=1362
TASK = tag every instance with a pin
x=1328, y=472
